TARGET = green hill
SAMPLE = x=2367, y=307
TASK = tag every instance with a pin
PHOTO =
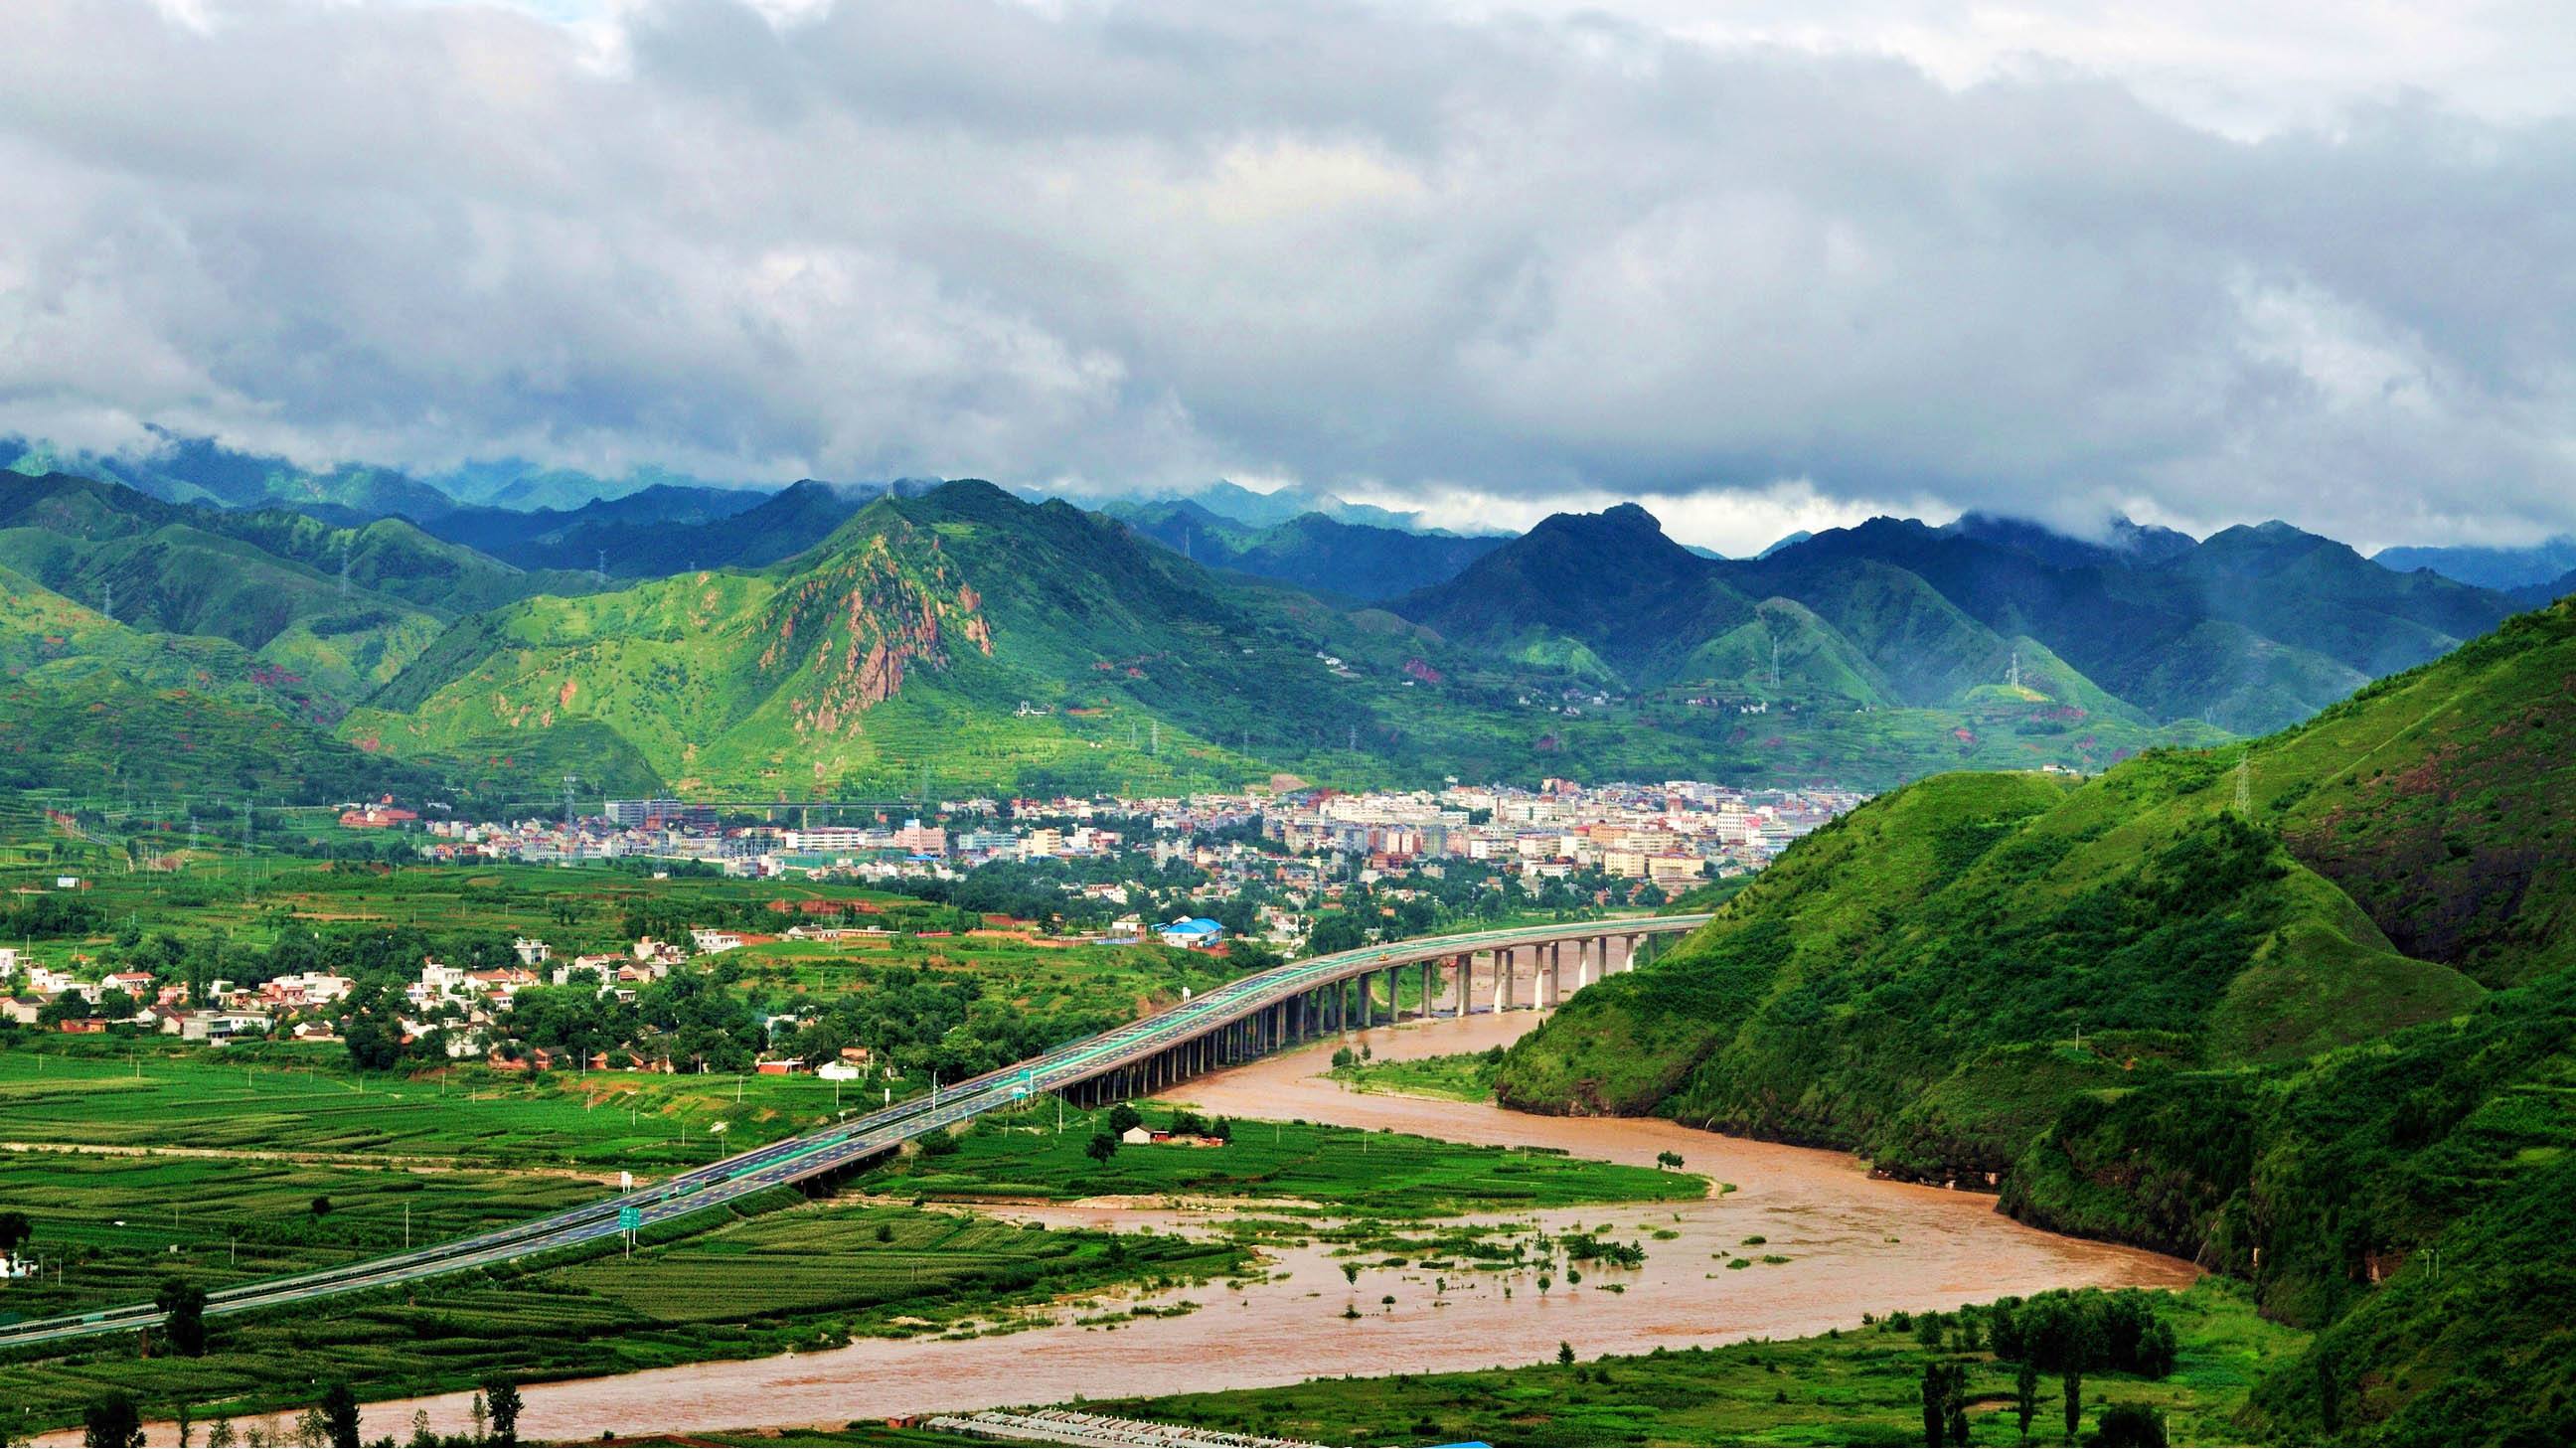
x=342, y=609
x=89, y=706
x=1328, y=556
x=2263, y=1037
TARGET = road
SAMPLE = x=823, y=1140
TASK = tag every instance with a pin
x=793, y=1159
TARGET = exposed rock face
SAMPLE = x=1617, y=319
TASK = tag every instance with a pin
x=866, y=621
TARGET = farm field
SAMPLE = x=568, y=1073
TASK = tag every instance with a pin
x=304, y=1101
x=776, y=1274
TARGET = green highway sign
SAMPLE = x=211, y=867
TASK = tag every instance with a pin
x=629, y=1219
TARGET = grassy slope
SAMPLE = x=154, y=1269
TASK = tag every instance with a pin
x=90, y=705
x=1910, y=981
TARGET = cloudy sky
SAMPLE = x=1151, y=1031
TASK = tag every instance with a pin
x=1771, y=264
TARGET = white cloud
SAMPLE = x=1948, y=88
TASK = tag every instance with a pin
x=2047, y=258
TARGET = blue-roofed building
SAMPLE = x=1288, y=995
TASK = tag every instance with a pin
x=1194, y=933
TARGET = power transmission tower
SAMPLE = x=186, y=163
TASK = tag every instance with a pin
x=1156, y=746
x=1775, y=661
x=601, y=573
x=2245, y=786
x=107, y=597
x=344, y=570
x=568, y=781
x=2014, y=674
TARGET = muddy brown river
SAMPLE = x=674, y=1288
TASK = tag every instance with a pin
x=1855, y=1245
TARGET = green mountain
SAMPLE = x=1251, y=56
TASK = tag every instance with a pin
x=200, y=470
x=89, y=706
x=1327, y=556
x=2488, y=568
x=2250, y=629
x=2303, y=1038
x=658, y=531
x=999, y=643
x=343, y=609
x=1604, y=593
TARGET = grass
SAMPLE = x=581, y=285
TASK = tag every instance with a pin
x=1361, y=1174
x=305, y=1102
x=1460, y=1077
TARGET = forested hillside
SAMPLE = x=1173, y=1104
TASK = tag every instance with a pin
x=2250, y=629
x=2295, y=1008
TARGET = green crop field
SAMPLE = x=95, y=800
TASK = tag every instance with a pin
x=108, y=1229
x=1361, y=1174
x=773, y=1274
x=304, y=1101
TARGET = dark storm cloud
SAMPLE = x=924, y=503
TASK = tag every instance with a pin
x=1502, y=261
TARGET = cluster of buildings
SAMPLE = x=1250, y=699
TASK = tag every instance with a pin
x=299, y=1004
x=1675, y=834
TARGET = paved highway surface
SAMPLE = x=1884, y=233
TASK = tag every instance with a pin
x=792, y=1159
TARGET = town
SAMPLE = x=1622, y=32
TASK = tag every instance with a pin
x=1248, y=879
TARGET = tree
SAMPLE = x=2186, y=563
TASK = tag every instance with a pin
x=219, y=1434
x=1668, y=1159
x=185, y=1420
x=503, y=1396
x=1935, y=1422
x=1122, y=1117
x=2026, y=1395
x=422, y=1436
x=2130, y=1426
x=1945, y=1403
x=340, y=1414
x=183, y=1327
x=15, y=1230
x=1338, y=932
x=1102, y=1147
x=2074, y=1402
x=1564, y=1353
x=480, y=1417
x=112, y=1420
x=313, y=1430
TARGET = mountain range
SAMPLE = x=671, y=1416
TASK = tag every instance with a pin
x=2250, y=629
x=1168, y=643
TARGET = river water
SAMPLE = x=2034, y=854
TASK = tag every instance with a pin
x=1855, y=1245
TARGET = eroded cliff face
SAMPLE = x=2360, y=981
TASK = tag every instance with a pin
x=859, y=625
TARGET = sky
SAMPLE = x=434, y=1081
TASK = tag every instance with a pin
x=1763, y=265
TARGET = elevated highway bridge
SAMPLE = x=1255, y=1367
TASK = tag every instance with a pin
x=1528, y=967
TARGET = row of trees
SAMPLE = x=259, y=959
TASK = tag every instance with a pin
x=114, y=1420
